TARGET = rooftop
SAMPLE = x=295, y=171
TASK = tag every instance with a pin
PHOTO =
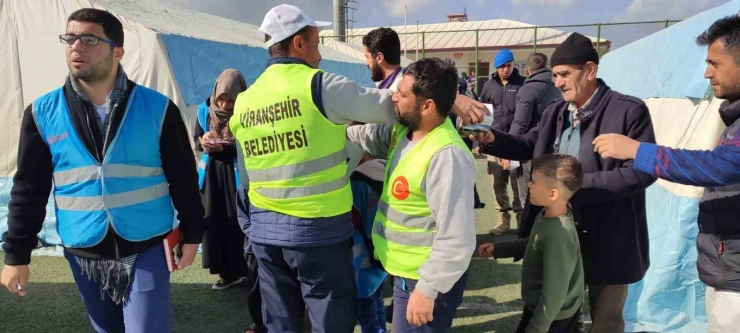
x=454, y=36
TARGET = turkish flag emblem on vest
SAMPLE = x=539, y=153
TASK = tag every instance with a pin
x=400, y=188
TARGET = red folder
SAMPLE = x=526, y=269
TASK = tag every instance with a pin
x=172, y=249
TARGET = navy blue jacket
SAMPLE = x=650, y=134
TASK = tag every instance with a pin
x=462, y=86
x=610, y=207
x=532, y=100
x=503, y=98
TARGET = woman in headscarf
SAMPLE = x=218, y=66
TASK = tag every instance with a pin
x=223, y=242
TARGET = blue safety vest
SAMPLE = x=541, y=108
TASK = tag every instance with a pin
x=128, y=189
x=203, y=120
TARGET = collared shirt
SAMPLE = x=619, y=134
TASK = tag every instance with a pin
x=570, y=141
x=114, y=97
x=388, y=82
x=103, y=111
x=574, y=109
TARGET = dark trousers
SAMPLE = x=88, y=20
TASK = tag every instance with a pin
x=445, y=307
x=254, y=297
x=499, y=178
x=371, y=312
x=607, y=307
x=476, y=197
x=468, y=143
x=147, y=306
x=557, y=326
x=523, y=176
x=321, y=278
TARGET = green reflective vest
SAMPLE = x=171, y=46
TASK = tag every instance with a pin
x=404, y=228
x=295, y=157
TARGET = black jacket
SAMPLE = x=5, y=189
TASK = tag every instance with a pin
x=503, y=99
x=532, y=99
x=718, y=242
x=32, y=182
x=610, y=207
x=462, y=86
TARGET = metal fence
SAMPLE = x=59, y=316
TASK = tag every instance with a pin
x=474, y=49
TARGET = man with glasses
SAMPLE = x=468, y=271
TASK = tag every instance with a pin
x=114, y=191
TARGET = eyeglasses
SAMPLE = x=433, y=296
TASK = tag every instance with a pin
x=84, y=39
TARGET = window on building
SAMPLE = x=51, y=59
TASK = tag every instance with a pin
x=483, y=68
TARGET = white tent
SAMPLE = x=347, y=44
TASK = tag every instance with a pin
x=354, y=50
x=175, y=51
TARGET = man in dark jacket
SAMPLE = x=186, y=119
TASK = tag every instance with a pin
x=462, y=83
x=114, y=191
x=610, y=207
x=531, y=100
x=501, y=91
x=534, y=96
x=718, y=170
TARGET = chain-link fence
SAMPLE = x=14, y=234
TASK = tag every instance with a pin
x=473, y=50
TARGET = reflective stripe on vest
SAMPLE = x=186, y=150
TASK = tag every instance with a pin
x=405, y=238
x=83, y=174
x=286, y=172
x=127, y=190
x=295, y=157
x=113, y=201
x=303, y=191
x=92, y=203
x=411, y=221
x=202, y=116
x=404, y=229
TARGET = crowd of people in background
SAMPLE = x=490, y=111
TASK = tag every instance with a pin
x=315, y=192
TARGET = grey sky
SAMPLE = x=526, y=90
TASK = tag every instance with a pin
x=371, y=13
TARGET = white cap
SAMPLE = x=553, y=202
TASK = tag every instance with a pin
x=284, y=21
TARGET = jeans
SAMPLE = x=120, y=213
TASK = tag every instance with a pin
x=147, y=307
x=445, y=307
x=371, y=312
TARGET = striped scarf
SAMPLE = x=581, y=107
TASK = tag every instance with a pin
x=115, y=96
x=114, y=275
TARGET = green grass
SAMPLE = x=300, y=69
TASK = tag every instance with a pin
x=491, y=304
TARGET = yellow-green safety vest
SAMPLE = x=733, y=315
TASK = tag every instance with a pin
x=404, y=228
x=294, y=156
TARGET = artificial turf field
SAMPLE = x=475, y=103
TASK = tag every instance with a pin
x=492, y=301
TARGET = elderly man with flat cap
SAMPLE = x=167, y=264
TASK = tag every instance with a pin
x=610, y=207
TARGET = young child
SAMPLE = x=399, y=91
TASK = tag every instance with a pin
x=552, y=272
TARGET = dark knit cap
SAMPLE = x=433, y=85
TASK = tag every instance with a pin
x=577, y=49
